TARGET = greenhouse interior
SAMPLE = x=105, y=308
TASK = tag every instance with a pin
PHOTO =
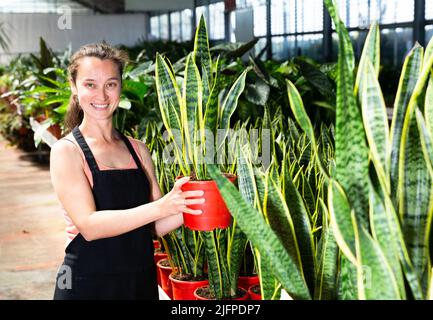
x=243, y=149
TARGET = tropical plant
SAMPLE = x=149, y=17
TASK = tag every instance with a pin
x=194, y=117
x=379, y=194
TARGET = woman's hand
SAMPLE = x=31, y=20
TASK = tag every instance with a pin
x=176, y=201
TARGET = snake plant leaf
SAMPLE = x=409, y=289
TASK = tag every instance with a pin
x=428, y=105
x=236, y=247
x=170, y=103
x=214, y=266
x=371, y=52
x=351, y=151
x=343, y=35
x=201, y=51
x=342, y=220
x=231, y=100
x=185, y=261
x=267, y=280
x=414, y=194
x=347, y=280
x=397, y=237
x=327, y=268
x=409, y=75
x=385, y=238
x=303, y=120
x=191, y=100
x=277, y=215
x=426, y=141
x=375, y=121
x=428, y=56
x=211, y=106
x=376, y=279
x=303, y=231
x=262, y=237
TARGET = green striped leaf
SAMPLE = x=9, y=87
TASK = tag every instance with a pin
x=191, y=99
x=262, y=237
x=277, y=215
x=342, y=220
x=236, y=247
x=201, y=51
x=371, y=52
x=214, y=265
x=428, y=105
x=376, y=280
x=231, y=100
x=303, y=120
x=351, y=151
x=409, y=76
x=326, y=278
x=375, y=122
x=170, y=103
x=386, y=238
x=303, y=231
x=414, y=195
x=426, y=141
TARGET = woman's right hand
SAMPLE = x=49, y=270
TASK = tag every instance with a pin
x=176, y=201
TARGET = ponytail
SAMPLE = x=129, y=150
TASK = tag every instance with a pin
x=74, y=114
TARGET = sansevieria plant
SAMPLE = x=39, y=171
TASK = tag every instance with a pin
x=379, y=195
x=197, y=121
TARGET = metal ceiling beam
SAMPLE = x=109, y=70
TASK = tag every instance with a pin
x=106, y=6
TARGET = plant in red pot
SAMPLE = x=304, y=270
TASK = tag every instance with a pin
x=186, y=250
x=197, y=124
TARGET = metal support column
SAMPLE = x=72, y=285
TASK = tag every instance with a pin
x=327, y=36
x=268, y=30
x=419, y=22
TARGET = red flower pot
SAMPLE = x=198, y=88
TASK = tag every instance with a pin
x=164, y=273
x=252, y=294
x=156, y=244
x=215, y=213
x=247, y=281
x=156, y=258
x=184, y=290
x=243, y=297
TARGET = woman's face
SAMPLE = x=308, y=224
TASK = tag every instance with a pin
x=98, y=87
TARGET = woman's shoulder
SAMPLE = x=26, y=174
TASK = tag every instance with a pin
x=66, y=149
x=143, y=150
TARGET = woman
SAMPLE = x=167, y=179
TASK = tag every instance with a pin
x=107, y=187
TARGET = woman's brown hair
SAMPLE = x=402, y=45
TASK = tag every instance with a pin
x=103, y=51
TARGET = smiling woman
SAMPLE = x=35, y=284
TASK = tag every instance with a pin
x=106, y=185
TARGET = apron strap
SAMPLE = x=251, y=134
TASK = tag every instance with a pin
x=131, y=150
x=86, y=150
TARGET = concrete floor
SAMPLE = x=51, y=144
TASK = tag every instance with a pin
x=32, y=236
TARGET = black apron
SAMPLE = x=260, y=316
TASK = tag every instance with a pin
x=120, y=267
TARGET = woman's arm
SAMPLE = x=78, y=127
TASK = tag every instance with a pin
x=75, y=194
x=165, y=224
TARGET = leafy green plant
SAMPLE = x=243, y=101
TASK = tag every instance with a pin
x=187, y=116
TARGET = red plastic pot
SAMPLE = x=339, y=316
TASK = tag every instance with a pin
x=156, y=258
x=215, y=213
x=156, y=244
x=184, y=290
x=164, y=273
x=252, y=294
x=247, y=281
x=244, y=296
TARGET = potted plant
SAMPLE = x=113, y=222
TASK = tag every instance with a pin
x=186, y=251
x=192, y=119
x=375, y=236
